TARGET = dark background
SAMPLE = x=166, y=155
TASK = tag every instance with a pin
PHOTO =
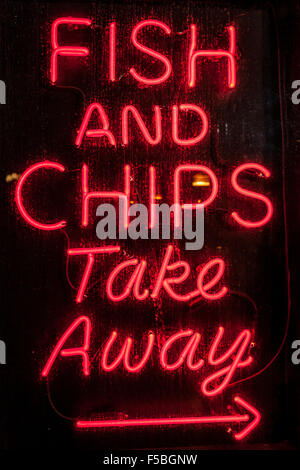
x=255, y=122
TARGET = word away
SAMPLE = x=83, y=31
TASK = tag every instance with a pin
x=182, y=354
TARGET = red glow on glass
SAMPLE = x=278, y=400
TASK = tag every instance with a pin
x=70, y=51
x=136, y=288
x=125, y=354
x=141, y=124
x=198, y=168
x=134, y=282
x=82, y=351
x=112, y=52
x=184, y=420
x=178, y=280
x=136, y=278
x=211, y=385
x=240, y=345
x=19, y=198
x=87, y=195
x=151, y=52
x=203, y=288
x=127, y=278
x=251, y=194
x=195, y=340
x=162, y=272
x=211, y=355
x=95, y=133
x=152, y=194
x=187, y=353
x=191, y=140
x=257, y=417
x=216, y=54
x=89, y=252
x=166, y=283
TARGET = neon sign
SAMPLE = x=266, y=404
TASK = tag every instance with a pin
x=87, y=195
x=192, y=55
x=252, y=422
x=142, y=278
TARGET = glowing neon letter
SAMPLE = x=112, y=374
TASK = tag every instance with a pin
x=239, y=346
x=141, y=124
x=125, y=354
x=82, y=351
x=209, y=200
x=112, y=52
x=134, y=282
x=90, y=253
x=152, y=194
x=203, y=288
x=251, y=422
x=230, y=351
x=95, y=133
x=166, y=283
x=252, y=194
x=216, y=54
x=19, y=198
x=191, y=140
x=87, y=195
x=151, y=53
x=188, y=351
x=70, y=51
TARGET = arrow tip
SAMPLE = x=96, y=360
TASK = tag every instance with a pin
x=253, y=422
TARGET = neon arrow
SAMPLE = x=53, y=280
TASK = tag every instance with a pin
x=122, y=423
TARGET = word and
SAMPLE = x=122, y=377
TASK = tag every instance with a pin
x=96, y=113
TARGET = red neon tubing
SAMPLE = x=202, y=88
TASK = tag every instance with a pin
x=87, y=195
x=19, y=199
x=73, y=51
x=175, y=124
x=125, y=125
x=203, y=288
x=90, y=253
x=251, y=194
x=201, y=168
x=184, y=420
x=112, y=52
x=218, y=53
x=83, y=351
x=98, y=132
x=125, y=354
